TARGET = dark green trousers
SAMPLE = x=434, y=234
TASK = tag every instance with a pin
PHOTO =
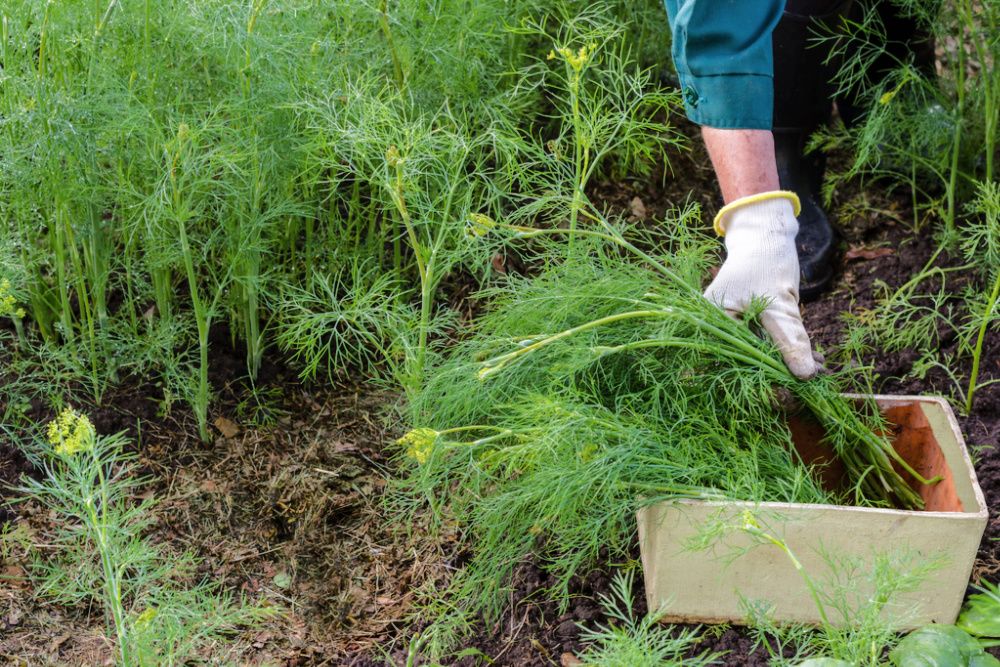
x=722, y=52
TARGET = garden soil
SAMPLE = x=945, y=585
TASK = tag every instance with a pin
x=286, y=505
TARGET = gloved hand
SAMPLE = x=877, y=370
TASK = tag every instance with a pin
x=762, y=262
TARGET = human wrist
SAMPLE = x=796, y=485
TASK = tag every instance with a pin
x=774, y=209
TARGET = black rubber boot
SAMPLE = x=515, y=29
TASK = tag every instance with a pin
x=802, y=103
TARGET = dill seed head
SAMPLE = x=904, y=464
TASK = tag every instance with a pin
x=71, y=432
x=576, y=59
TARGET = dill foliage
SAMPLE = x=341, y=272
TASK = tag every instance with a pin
x=606, y=383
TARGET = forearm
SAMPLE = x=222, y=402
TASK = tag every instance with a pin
x=743, y=161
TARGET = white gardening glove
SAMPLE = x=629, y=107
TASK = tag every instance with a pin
x=762, y=262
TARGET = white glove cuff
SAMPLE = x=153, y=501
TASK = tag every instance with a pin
x=726, y=213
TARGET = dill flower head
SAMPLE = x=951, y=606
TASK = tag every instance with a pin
x=479, y=225
x=8, y=304
x=143, y=619
x=71, y=432
x=576, y=59
x=419, y=443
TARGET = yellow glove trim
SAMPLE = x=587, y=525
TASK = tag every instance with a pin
x=753, y=199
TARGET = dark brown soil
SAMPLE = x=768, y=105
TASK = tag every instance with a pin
x=285, y=504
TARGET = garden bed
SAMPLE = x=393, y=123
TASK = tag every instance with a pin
x=240, y=502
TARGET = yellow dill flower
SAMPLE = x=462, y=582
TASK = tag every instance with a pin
x=419, y=443
x=147, y=615
x=8, y=304
x=576, y=59
x=71, y=432
x=888, y=95
x=479, y=225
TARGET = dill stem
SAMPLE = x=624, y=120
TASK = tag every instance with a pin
x=112, y=580
x=977, y=354
x=397, y=66
x=957, y=135
x=579, y=156
x=497, y=363
x=810, y=584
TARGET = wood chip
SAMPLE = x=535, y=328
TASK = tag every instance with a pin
x=227, y=428
x=638, y=208
x=569, y=660
x=867, y=253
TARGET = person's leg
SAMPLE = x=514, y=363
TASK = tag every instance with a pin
x=803, y=93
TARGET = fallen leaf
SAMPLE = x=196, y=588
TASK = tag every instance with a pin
x=569, y=660
x=638, y=208
x=499, y=264
x=867, y=253
x=282, y=580
x=227, y=428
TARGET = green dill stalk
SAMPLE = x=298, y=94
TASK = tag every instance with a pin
x=398, y=196
x=987, y=317
x=203, y=317
x=581, y=153
x=425, y=258
x=397, y=66
x=57, y=231
x=98, y=526
x=976, y=36
x=865, y=455
x=956, y=141
x=752, y=527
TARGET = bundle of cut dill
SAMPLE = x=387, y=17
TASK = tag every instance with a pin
x=605, y=382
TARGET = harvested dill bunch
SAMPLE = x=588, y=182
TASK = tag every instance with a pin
x=605, y=383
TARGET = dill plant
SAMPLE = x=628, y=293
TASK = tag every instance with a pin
x=937, y=136
x=606, y=383
x=156, y=611
x=639, y=641
x=933, y=133
x=860, y=606
x=292, y=107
